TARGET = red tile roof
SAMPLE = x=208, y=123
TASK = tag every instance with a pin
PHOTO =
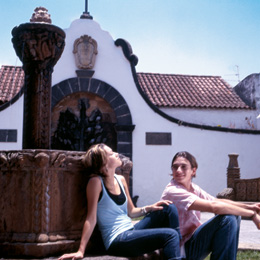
x=169, y=90
x=163, y=90
x=11, y=82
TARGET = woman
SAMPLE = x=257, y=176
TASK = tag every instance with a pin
x=109, y=204
x=219, y=235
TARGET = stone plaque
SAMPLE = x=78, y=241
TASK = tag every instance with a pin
x=8, y=135
x=158, y=138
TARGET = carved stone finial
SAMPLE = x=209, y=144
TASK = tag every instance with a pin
x=40, y=15
x=233, y=171
x=85, y=51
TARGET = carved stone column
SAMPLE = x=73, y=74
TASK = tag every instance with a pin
x=233, y=171
x=39, y=46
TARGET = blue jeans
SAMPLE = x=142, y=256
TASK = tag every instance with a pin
x=218, y=236
x=158, y=229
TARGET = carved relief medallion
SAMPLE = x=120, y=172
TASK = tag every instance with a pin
x=85, y=51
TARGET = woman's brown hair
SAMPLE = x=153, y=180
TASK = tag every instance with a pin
x=95, y=159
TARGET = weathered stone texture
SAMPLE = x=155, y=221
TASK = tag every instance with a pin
x=43, y=201
x=39, y=46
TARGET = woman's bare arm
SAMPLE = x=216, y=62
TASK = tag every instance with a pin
x=134, y=212
x=93, y=190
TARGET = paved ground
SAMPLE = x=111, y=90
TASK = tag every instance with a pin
x=249, y=235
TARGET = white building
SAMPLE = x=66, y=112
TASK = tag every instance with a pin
x=152, y=116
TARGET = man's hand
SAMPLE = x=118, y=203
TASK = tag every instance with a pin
x=256, y=220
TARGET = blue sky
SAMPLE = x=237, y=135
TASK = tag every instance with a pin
x=191, y=37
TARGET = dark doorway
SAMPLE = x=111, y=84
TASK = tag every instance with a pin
x=81, y=120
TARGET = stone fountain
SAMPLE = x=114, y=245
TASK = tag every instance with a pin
x=43, y=199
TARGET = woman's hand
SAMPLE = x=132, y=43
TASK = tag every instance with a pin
x=158, y=205
x=73, y=256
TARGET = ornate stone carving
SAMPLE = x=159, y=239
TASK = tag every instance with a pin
x=247, y=189
x=40, y=15
x=43, y=200
x=227, y=193
x=239, y=189
x=233, y=171
x=251, y=190
x=39, y=46
x=85, y=51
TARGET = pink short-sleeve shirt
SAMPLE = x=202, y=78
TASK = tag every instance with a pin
x=189, y=220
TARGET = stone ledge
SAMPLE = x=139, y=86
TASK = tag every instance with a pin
x=38, y=250
x=156, y=255
x=101, y=257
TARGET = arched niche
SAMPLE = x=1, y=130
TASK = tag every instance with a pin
x=69, y=93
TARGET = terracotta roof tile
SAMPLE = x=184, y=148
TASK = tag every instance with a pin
x=164, y=90
x=11, y=81
x=169, y=90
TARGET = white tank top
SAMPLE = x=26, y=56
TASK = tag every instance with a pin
x=112, y=219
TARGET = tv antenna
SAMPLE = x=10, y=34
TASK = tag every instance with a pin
x=237, y=74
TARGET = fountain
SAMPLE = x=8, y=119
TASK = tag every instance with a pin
x=43, y=200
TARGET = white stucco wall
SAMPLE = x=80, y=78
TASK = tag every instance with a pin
x=230, y=118
x=110, y=60
x=211, y=149
x=12, y=118
x=151, y=167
